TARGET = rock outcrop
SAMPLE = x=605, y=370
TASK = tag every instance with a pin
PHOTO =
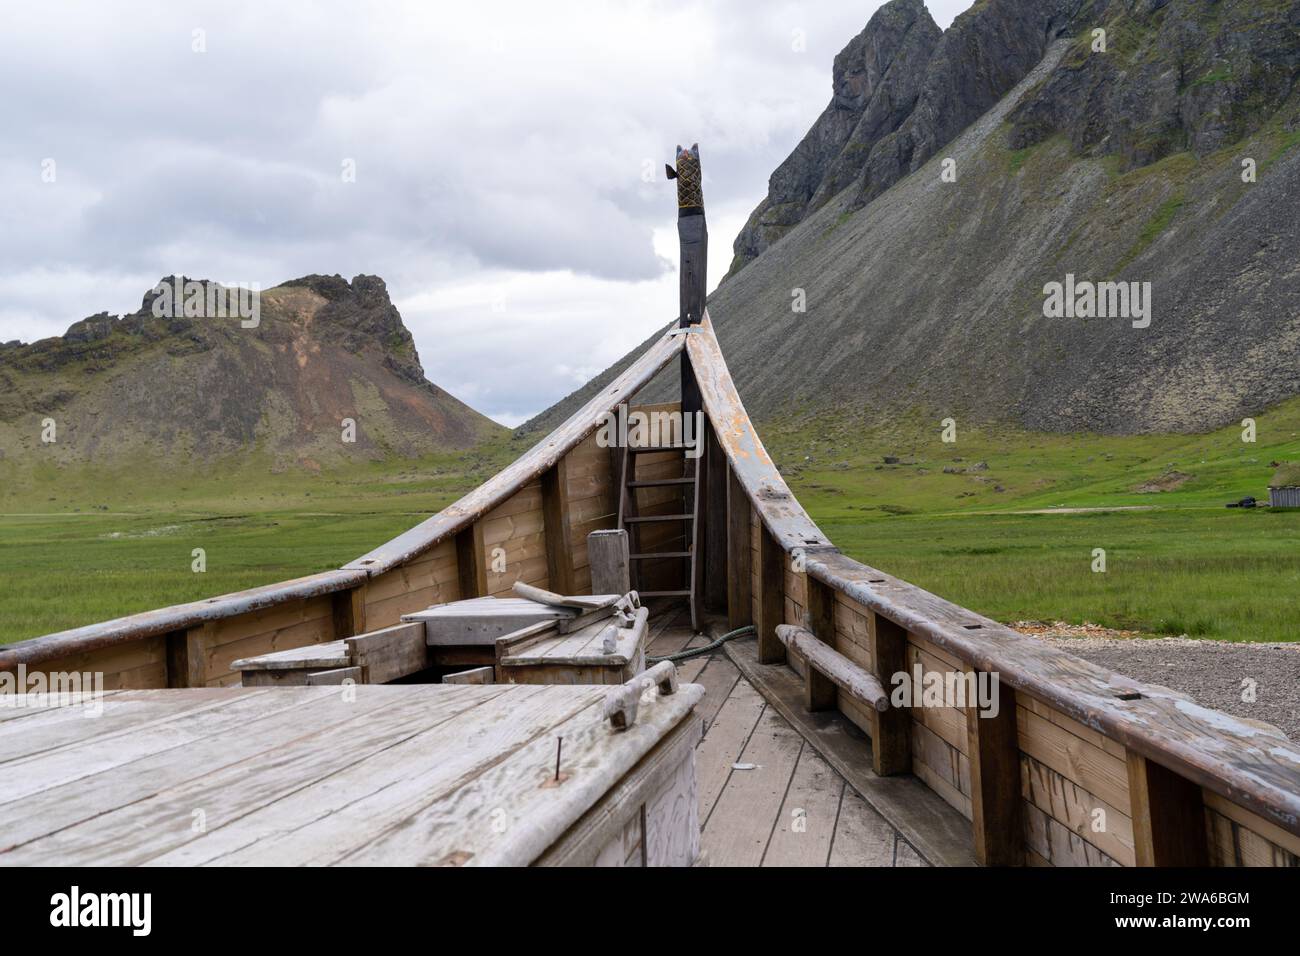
x=198, y=388
x=1169, y=159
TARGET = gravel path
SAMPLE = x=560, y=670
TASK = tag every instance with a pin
x=1212, y=672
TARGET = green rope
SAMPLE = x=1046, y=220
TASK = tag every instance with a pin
x=707, y=648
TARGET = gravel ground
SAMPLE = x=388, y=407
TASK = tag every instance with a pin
x=1211, y=672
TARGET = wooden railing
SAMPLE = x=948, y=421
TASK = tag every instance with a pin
x=1080, y=767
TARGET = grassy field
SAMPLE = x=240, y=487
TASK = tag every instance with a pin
x=86, y=546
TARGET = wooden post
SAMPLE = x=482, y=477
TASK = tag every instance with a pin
x=607, y=553
x=1168, y=816
x=178, y=658
x=771, y=597
x=891, y=732
x=994, y=752
x=740, y=606
x=715, y=525
x=195, y=657
x=692, y=233
x=693, y=237
x=819, y=618
x=349, y=612
x=559, y=537
x=471, y=562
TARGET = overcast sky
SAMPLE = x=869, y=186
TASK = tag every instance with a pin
x=509, y=160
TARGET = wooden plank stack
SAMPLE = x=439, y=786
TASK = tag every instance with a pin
x=535, y=637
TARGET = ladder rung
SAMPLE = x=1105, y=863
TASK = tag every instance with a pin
x=643, y=518
x=650, y=594
x=657, y=482
x=649, y=449
x=659, y=554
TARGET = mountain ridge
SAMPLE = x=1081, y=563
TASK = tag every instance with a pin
x=195, y=389
x=927, y=298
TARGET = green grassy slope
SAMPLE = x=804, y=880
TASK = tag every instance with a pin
x=78, y=546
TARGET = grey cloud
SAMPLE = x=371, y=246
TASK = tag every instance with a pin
x=502, y=138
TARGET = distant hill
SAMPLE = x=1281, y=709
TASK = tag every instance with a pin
x=191, y=391
x=925, y=293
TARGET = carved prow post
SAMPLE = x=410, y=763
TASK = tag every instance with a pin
x=693, y=233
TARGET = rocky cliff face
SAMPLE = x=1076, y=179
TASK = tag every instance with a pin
x=1176, y=76
x=876, y=80
x=194, y=388
x=903, y=90
x=1170, y=158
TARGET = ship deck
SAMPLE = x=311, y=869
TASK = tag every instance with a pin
x=769, y=798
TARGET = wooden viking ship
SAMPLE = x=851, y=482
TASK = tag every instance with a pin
x=536, y=675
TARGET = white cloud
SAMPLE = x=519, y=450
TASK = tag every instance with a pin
x=498, y=147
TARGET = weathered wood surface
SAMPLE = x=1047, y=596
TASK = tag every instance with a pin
x=477, y=675
x=608, y=555
x=922, y=819
x=175, y=618
x=312, y=657
x=740, y=599
x=835, y=667
x=1226, y=755
x=580, y=602
x=241, y=776
x=541, y=654
x=480, y=621
x=994, y=753
x=390, y=653
x=750, y=462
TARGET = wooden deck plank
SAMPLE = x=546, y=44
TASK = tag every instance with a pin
x=939, y=833
x=326, y=820
x=805, y=825
x=60, y=767
x=741, y=822
x=718, y=676
x=138, y=832
x=49, y=810
x=862, y=836
x=459, y=828
x=74, y=726
x=905, y=855
x=46, y=705
x=723, y=742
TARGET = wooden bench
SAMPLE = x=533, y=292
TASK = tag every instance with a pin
x=373, y=658
x=541, y=654
x=520, y=640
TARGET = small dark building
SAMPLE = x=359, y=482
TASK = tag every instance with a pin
x=1284, y=489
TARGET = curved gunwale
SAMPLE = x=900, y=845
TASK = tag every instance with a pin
x=406, y=546
x=1217, y=751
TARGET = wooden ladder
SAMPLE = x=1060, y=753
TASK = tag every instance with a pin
x=631, y=519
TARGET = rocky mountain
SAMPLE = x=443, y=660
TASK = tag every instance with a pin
x=1042, y=144
x=201, y=375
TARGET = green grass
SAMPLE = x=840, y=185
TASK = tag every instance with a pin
x=1155, y=227
x=1214, y=76
x=78, y=546
x=1186, y=565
